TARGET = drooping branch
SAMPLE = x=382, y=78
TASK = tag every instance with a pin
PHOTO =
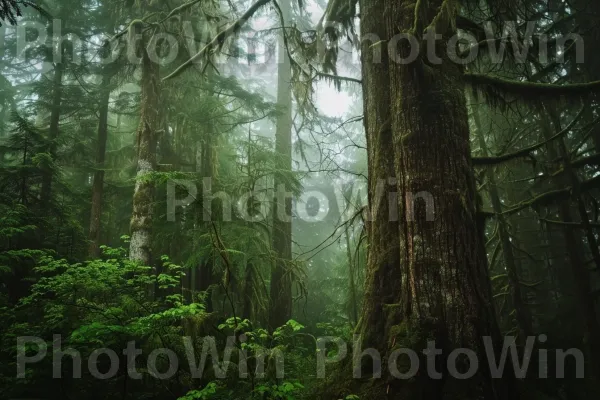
x=553, y=196
x=219, y=39
x=338, y=78
x=489, y=161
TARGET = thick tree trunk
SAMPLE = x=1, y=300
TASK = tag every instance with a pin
x=98, y=183
x=383, y=284
x=143, y=197
x=523, y=316
x=421, y=132
x=281, y=281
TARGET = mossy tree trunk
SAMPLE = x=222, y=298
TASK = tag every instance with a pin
x=383, y=278
x=427, y=274
x=143, y=196
x=281, y=281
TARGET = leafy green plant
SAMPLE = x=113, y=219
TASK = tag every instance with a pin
x=207, y=392
x=283, y=391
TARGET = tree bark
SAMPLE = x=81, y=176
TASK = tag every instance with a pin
x=281, y=280
x=383, y=277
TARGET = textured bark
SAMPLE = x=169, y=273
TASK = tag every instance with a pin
x=98, y=183
x=523, y=316
x=443, y=292
x=383, y=277
x=281, y=281
x=143, y=196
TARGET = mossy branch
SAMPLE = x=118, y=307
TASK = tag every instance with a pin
x=530, y=89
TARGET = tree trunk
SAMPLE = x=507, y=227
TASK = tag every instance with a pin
x=98, y=184
x=587, y=14
x=57, y=89
x=421, y=132
x=351, y=284
x=383, y=277
x=575, y=248
x=281, y=280
x=143, y=197
x=523, y=316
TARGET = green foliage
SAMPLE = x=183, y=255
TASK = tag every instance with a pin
x=283, y=391
x=203, y=394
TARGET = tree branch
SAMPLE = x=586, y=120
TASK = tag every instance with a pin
x=219, y=39
x=529, y=88
x=487, y=161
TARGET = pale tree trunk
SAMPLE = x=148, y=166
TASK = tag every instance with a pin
x=281, y=280
x=429, y=279
x=98, y=183
x=143, y=196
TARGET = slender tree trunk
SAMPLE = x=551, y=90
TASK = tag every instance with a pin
x=421, y=132
x=247, y=309
x=575, y=248
x=143, y=197
x=351, y=283
x=57, y=89
x=281, y=280
x=523, y=316
x=98, y=184
x=587, y=15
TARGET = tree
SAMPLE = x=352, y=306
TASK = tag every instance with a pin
x=281, y=277
x=143, y=196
